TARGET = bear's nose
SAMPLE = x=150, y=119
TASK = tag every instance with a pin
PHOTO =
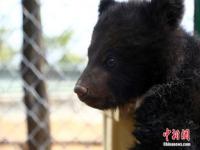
x=80, y=90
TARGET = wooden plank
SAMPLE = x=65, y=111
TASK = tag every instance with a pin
x=118, y=128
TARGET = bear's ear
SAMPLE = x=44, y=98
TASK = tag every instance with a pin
x=167, y=12
x=104, y=5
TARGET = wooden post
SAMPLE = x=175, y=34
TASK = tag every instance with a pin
x=197, y=16
x=118, y=128
x=35, y=97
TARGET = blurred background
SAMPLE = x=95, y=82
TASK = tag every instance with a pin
x=43, y=49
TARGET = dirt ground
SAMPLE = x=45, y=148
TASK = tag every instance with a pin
x=70, y=123
x=70, y=147
x=65, y=130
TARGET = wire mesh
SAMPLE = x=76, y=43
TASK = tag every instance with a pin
x=38, y=70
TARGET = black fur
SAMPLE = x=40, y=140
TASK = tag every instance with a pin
x=140, y=50
x=167, y=12
x=104, y=5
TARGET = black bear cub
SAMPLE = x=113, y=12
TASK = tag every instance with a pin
x=139, y=53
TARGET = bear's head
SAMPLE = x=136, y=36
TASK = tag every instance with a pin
x=133, y=47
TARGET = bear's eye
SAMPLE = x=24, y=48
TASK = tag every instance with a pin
x=111, y=62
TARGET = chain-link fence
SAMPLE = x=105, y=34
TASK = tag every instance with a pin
x=42, y=52
x=38, y=69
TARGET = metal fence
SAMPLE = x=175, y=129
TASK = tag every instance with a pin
x=38, y=109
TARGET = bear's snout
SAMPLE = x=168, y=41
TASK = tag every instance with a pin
x=92, y=88
x=80, y=90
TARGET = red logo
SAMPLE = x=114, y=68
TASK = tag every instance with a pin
x=176, y=135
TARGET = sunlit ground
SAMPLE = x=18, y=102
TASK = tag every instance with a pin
x=72, y=122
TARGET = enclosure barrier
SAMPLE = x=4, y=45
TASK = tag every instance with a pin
x=35, y=95
x=38, y=110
